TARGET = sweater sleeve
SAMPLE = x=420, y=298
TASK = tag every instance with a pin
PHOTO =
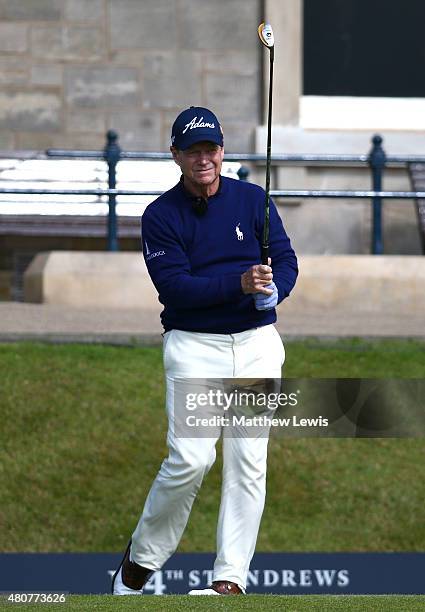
x=170, y=271
x=284, y=261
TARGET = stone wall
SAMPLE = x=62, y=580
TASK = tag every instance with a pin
x=71, y=69
x=343, y=284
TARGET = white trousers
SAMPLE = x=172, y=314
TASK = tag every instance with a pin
x=257, y=353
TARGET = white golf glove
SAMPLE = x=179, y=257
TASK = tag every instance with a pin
x=266, y=302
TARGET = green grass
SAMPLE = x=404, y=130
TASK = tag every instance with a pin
x=355, y=358
x=83, y=435
x=182, y=603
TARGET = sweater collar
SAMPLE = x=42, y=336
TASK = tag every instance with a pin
x=192, y=197
x=199, y=204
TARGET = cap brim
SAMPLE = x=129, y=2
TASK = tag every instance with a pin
x=206, y=136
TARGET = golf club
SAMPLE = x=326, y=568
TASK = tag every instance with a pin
x=265, y=33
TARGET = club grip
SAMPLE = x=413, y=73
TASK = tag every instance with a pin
x=265, y=254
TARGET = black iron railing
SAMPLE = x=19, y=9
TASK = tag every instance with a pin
x=376, y=159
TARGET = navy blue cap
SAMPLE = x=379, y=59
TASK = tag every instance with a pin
x=196, y=124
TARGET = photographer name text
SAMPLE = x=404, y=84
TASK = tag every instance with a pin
x=254, y=421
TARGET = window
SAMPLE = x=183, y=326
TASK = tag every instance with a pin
x=364, y=65
x=364, y=48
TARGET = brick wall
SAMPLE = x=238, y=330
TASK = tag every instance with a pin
x=71, y=69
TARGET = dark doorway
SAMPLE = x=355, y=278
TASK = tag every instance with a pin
x=364, y=48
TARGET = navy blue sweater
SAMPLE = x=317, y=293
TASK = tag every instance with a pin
x=196, y=262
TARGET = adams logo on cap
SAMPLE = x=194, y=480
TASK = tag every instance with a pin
x=196, y=124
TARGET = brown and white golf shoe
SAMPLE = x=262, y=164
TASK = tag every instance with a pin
x=219, y=587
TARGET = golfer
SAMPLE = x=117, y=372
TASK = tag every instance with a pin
x=201, y=243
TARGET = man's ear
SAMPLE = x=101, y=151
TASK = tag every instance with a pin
x=174, y=153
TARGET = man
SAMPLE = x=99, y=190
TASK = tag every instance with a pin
x=201, y=243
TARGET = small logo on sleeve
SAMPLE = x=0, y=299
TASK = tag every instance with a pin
x=150, y=255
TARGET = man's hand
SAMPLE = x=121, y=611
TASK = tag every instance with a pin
x=266, y=302
x=256, y=279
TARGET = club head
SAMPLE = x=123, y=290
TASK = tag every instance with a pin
x=265, y=33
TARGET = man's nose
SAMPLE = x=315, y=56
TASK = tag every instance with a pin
x=203, y=157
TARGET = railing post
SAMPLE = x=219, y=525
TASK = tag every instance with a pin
x=377, y=161
x=243, y=173
x=112, y=155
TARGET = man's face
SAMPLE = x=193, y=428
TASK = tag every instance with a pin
x=200, y=164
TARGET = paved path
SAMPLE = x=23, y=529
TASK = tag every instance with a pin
x=47, y=322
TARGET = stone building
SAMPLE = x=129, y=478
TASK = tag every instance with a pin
x=71, y=69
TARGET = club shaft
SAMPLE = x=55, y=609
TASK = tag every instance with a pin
x=266, y=229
